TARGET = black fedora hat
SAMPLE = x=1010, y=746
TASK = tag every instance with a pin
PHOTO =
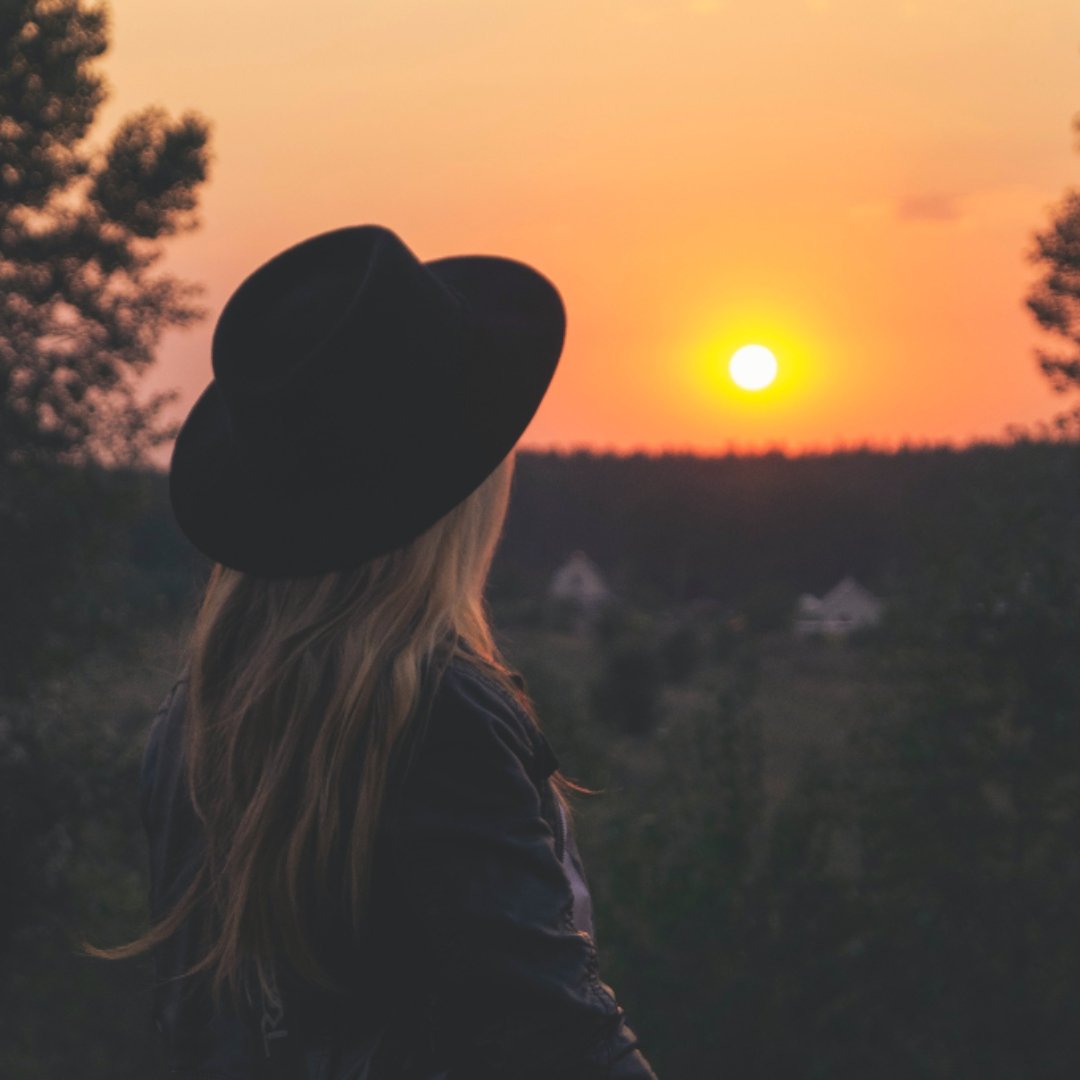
x=359, y=394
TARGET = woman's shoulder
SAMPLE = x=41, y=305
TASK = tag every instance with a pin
x=468, y=695
x=471, y=703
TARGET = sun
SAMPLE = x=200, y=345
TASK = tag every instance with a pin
x=753, y=367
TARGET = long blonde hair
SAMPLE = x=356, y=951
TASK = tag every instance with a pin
x=292, y=683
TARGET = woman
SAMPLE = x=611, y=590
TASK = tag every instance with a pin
x=361, y=863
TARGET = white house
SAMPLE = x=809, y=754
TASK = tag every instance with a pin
x=580, y=584
x=843, y=609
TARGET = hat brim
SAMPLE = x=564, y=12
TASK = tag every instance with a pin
x=517, y=325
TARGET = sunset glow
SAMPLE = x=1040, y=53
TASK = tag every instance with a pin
x=865, y=210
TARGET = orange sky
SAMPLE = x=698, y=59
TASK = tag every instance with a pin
x=852, y=183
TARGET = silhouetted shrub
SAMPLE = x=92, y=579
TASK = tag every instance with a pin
x=680, y=652
x=626, y=695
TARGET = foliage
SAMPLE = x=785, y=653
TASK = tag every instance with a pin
x=34, y=801
x=82, y=304
x=85, y=554
x=626, y=694
x=907, y=911
x=1054, y=300
x=967, y=796
x=82, y=307
x=69, y=757
x=680, y=652
x=904, y=908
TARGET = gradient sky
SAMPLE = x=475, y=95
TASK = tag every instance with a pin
x=852, y=183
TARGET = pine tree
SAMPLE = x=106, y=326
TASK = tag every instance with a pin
x=82, y=302
x=1054, y=300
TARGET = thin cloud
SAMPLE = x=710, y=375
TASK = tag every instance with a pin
x=928, y=206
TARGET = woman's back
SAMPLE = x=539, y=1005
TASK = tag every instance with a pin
x=478, y=958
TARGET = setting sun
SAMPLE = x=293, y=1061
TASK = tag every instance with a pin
x=753, y=367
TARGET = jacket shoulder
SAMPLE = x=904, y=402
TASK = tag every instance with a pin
x=469, y=705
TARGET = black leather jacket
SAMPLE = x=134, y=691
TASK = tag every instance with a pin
x=479, y=959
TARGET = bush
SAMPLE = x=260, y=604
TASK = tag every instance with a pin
x=627, y=693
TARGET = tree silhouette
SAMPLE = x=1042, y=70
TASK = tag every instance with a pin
x=82, y=305
x=1054, y=300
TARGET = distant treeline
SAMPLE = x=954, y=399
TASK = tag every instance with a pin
x=85, y=548
x=759, y=530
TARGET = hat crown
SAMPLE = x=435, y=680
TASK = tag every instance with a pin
x=337, y=352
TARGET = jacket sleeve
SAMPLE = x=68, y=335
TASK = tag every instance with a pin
x=475, y=862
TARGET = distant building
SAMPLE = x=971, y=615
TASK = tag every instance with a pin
x=845, y=608
x=580, y=585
